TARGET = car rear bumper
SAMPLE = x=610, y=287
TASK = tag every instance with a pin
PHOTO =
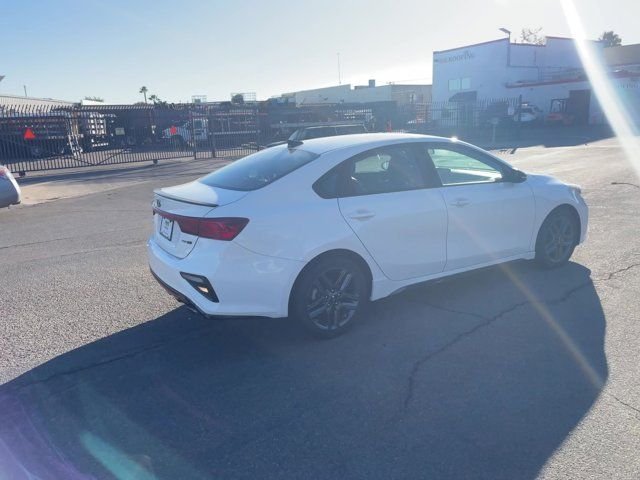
x=246, y=283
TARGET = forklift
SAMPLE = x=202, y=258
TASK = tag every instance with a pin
x=558, y=113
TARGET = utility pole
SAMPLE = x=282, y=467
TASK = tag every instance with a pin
x=25, y=90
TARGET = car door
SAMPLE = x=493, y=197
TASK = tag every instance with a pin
x=489, y=218
x=392, y=207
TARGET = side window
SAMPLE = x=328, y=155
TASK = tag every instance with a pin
x=384, y=170
x=328, y=185
x=458, y=166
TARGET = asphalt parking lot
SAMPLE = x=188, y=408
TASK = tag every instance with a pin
x=507, y=373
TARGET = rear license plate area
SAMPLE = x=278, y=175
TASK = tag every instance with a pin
x=166, y=228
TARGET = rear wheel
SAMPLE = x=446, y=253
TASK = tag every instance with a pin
x=329, y=296
x=557, y=238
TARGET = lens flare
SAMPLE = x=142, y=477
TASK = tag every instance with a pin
x=613, y=108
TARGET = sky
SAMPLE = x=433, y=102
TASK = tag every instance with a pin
x=69, y=49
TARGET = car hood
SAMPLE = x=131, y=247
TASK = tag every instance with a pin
x=537, y=179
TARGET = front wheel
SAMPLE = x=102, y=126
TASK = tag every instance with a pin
x=557, y=239
x=329, y=296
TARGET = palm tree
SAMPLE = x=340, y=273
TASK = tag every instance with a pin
x=154, y=98
x=610, y=39
x=143, y=91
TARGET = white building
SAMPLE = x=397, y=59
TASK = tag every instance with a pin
x=402, y=94
x=14, y=100
x=499, y=69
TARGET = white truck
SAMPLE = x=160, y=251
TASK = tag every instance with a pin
x=193, y=131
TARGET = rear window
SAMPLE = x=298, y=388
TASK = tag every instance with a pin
x=259, y=169
x=350, y=129
x=317, y=132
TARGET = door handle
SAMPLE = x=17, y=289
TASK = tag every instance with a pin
x=460, y=202
x=362, y=215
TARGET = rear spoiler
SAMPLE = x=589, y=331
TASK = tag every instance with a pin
x=160, y=193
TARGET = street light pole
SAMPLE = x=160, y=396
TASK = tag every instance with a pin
x=339, y=76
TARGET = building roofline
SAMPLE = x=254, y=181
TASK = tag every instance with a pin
x=511, y=43
x=472, y=45
x=554, y=37
x=22, y=97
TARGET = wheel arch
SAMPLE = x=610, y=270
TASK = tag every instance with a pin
x=340, y=253
x=565, y=207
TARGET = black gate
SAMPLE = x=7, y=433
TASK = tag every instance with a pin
x=45, y=137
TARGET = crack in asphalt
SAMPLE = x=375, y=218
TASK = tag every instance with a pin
x=117, y=358
x=625, y=183
x=622, y=402
x=486, y=321
x=74, y=237
x=610, y=275
x=133, y=243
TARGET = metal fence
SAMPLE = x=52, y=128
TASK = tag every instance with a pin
x=476, y=118
x=45, y=137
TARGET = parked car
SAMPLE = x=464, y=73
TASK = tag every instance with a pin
x=307, y=133
x=529, y=114
x=10, y=193
x=316, y=229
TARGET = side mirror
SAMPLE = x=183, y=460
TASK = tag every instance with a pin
x=514, y=176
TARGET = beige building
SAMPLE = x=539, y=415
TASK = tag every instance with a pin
x=402, y=94
x=623, y=56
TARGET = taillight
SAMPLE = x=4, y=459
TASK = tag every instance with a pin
x=224, y=228
x=221, y=228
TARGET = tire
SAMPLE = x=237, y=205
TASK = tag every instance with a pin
x=557, y=238
x=329, y=296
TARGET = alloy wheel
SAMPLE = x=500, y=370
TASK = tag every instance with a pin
x=333, y=299
x=559, y=240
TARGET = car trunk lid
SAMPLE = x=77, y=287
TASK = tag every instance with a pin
x=175, y=207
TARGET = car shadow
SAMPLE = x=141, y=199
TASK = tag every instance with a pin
x=480, y=376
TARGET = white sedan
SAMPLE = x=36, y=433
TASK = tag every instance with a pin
x=315, y=229
x=10, y=193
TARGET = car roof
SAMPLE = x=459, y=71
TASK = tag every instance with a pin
x=373, y=140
